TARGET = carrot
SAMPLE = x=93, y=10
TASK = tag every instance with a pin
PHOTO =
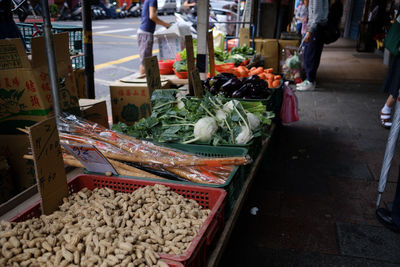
x=270, y=70
x=269, y=76
x=262, y=76
x=253, y=69
x=276, y=83
x=277, y=77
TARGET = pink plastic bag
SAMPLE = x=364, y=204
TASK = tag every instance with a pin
x=289, y=111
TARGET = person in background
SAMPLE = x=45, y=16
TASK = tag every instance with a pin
x=301, y=15
x=318, y=11
x=391, y=85
x=190, y=6
x=8, y=28
x=146, y=30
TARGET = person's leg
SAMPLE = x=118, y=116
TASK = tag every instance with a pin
x=298, y=27
x=317, y=46
x=145, y=41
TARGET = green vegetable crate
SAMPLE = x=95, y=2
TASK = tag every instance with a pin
x=30, y=30
x=236, y=179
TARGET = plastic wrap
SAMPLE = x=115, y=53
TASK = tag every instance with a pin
x=147, y=154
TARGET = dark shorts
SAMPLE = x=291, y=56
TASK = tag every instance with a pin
x=145, y=41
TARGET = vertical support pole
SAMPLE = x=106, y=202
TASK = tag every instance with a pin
x=211, y=55
x=190, y=61
x=202, y=30
x=51, y=59
x=88, y=48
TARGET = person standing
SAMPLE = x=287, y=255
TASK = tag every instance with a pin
x=146, y=31
x=318, y=11
x=301, y=15
x=391, y=84
x=8, y=28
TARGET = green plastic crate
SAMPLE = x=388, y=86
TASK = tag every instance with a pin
x=75, y=33
x=234, y=183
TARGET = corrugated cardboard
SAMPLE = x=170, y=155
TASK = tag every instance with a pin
x=80, y=82
x=286, y=48
x=270, y=51
x=94, y=110
x=131, y=101
x=14, y=147
x=25, y=96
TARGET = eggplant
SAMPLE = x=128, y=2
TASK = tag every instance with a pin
x=213, y=91
x=242, y=91
x=230, y=86
x=227, y=75
x=206, y=83
x=253, y=78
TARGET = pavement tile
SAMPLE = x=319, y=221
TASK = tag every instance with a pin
x=287, y=233
x=307, y=208
x=260, y=256
x=370, y=242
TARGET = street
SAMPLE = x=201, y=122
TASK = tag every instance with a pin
x=116, y=52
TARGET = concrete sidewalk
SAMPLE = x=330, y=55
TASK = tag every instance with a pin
x=316, y=195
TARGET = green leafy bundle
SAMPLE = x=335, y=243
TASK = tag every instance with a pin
x=174, y=117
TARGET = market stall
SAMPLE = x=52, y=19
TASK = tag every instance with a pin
x=165, y=183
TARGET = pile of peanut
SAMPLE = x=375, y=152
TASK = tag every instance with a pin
x=104, y=228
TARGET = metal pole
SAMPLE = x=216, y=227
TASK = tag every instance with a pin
x=202, y=30
x=88, y=48
x=51, y=59
x=389, y=152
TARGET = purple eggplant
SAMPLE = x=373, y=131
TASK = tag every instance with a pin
x=242, y=91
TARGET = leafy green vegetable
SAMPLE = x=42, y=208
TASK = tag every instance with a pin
x=180, y=66
x=171, y=123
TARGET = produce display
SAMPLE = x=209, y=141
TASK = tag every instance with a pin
x=237, y=56
x=228, y=85
x=105, y=228
x=273, y=80
x=210, y=120
x=145, y=155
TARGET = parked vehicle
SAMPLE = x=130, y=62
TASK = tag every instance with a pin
x=24, y=8
x=166, y=7
x=70, y=13
x=134, y=10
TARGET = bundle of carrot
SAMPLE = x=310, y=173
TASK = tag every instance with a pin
x=120, y=149
x=265, y=74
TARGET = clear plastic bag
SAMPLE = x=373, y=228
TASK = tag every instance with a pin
x=125, y=148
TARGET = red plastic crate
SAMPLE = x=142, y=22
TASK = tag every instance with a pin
x=207, y=197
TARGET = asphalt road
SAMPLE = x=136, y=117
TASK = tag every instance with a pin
x=115, y=49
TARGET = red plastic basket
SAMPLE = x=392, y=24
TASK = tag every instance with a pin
x=207, y=197
x=165, y=66
x=181, y=75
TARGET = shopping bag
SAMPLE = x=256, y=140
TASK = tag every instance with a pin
x=392, y=39
x=289, y=112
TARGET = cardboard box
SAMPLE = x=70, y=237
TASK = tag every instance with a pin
x=131, y=101
x=286, y=49
x=25, y=94
x=14, y=147
x=270, y=51
x=94, y=110
x=80, y=82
